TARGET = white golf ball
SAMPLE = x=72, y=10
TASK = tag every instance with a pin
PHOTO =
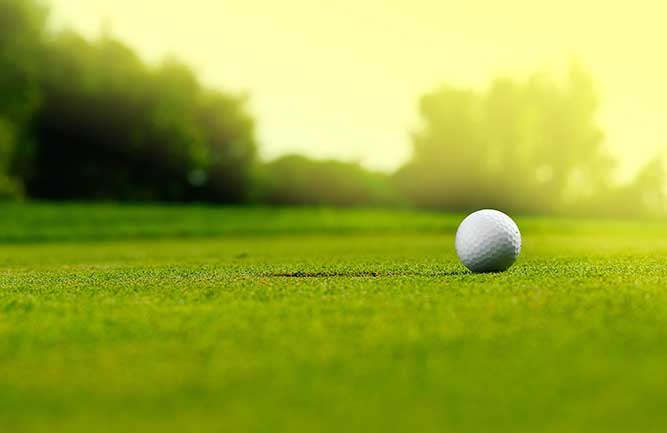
x=488, y=241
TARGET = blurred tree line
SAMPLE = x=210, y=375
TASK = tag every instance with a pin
x=84, y=119
x=297, y=180
x=90, y=120
x=528, y=146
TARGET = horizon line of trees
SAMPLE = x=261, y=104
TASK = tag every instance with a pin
x=86, y=119
x=89, y=120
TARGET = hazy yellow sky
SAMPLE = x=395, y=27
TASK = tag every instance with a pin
x=342, y=78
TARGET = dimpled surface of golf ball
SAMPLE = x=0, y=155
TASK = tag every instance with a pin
x=488, y=241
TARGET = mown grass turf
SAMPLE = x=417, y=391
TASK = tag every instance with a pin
x=131, y=319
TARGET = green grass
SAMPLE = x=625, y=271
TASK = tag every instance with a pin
x=180, y=319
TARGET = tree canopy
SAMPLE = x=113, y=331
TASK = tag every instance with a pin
x=84, y=119
x=526, y=146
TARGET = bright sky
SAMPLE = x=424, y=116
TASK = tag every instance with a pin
x=342, y=78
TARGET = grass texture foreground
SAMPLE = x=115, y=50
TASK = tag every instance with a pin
x=195, y=319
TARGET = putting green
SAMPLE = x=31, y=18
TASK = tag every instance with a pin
x=179, y=319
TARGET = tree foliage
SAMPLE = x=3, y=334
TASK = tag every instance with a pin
x=84, y=119
x=520, y=145
x=644, y=196
x=21, y=33
x=112, y=128
x=297, y=180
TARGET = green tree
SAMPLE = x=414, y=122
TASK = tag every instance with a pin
x=111, y=127
x=644, y=196
x=297, y=180
x=648, y=190
x=21, y=35
x=9, y=186
x=520, y=145
x=21, y=31
x=229, y=134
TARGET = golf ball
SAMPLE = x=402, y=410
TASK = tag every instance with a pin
x=488, y=241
